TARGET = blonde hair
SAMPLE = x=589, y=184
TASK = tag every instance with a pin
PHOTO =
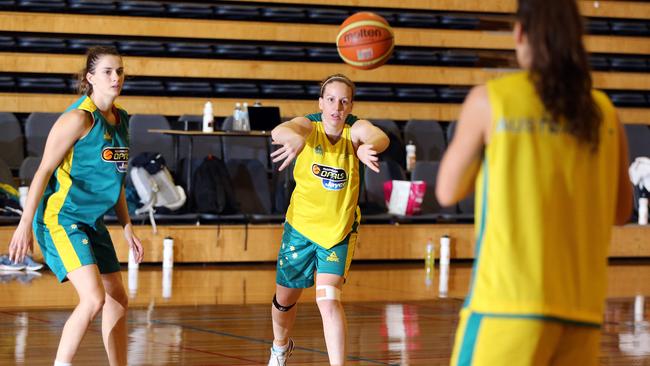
x=337, y=77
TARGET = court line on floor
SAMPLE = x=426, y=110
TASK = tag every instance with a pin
x=257, y=340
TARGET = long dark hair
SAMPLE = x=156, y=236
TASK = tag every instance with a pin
x=559, y=66
x=92, y=57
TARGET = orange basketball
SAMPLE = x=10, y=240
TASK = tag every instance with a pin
x=365, y=40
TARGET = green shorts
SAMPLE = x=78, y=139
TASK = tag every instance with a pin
x=70, y=246
x=299, y=257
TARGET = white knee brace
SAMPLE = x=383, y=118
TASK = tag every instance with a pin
x=327, y=292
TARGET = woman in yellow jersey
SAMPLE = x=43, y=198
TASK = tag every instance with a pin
x=548, y=159
x=322, y=218
x=80, y=177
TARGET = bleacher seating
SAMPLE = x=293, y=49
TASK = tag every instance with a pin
x=276, y=53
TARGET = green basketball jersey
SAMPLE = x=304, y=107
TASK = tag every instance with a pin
x=87, y=183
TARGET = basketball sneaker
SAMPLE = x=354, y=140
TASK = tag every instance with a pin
x=7, y=265
x=31, y=264
x=279, y=358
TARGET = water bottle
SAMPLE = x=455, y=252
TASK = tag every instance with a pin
x=168, y=252
x=246, y=123
x=429, y=258
x=132, y=262
x=167, y=281
x=410, y=156
x=208, y=117
x=133, y=281
x=443, y=283
x=444, y=250
x=237, y=117
x=643, y=209
x=22, y=192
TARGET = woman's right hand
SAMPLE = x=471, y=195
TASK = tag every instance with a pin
x=288, y=150
x=21, y=243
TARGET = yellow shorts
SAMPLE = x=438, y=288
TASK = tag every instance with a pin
x=514, y=340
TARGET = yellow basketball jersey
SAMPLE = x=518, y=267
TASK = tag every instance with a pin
x=545, y=207
x=323, y=205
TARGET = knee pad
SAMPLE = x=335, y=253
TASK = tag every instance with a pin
x=281, y=308
x=330, y=293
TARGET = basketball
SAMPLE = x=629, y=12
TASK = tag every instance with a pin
x=365, y=40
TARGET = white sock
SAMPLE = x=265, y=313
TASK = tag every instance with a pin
x=281, y=348
x=59, y=363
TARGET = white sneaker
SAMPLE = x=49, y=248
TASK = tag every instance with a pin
x=280, y=358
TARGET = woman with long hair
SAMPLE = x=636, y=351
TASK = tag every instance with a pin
x=81, y=177
x=548, y=158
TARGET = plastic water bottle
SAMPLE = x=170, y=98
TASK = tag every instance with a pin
x=246, y=122
x=133, y=281
x=444, y=250
x=429, y=258
x=643, y=210
x=168, y=252
x=237, y=123
x=410, y=156
x=208, y=117
x=22, y=192
x=132, y=262
x=167, y=281
x=443, y=283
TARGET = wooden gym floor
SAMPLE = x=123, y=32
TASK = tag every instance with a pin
x=220, y=315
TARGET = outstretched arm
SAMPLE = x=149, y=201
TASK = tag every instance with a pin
x=370, y=140
x=461, y=161
x=291, y=135
x=69, y=128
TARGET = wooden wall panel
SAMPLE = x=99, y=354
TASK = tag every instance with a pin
x=231, y=243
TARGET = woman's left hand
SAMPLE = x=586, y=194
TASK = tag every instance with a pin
x=368, y=156
x=134, y=243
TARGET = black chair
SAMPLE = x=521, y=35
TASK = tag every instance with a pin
x=237, y=12
x=365, y=92
x=141, y=8
x=283, y=90
x=92, y=6
x=143, y=87
x=277, y=14
x=459, y=21
x=189, y=49
x=192, y=10
x=417, y=20
x=237, y=51
x=633, y=64
x=43, y=85
x=327, y=16
x=630, y=28
x=293, y=53
x=41, y=5
x=638, y=141
x=144, y=141
x=37, y=127
x=428, y=137
x=11, y=140
x=5, y=174
x=323, y=54
x=453, y=94
x=417, y=57
x=194, y=88
x=628, y=99
x=600, y=63
x=246, y=90
x=459, y=58
x=42, y=44
x=598, y=26
x=141, y=48
x=82, y=45
x=28, y=168
x=416, y=93
x=244, y=147
x=252, y=190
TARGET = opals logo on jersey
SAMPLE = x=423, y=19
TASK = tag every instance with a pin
x=333, y=178
x=117, y=155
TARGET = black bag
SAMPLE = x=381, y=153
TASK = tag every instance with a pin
x=212, y=188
